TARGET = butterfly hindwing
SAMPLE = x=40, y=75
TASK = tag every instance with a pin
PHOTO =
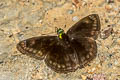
x=87, y=27
x=62, y=58
x=36, y=47
x=85, y=48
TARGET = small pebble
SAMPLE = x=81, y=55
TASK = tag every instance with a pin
x=70, y=11
x=108, y=7
x=106, y=20
x=89, y=78
x=99, y=77
x=1, y=62
x=20, y=36
x=106, y=32
x=75, y=2
x=116, y=62
x=40, y=21
x=110, y=55
x=110, y=65
x=83, y=77
x=75, y=18
x=110, y=1
x=118, y=41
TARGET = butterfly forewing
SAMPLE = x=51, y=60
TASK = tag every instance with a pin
x=86, y=27
x=36, y=47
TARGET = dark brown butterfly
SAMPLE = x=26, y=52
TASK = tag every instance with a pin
x=67, y=51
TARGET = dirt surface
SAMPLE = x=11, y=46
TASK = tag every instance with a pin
x=22, y=19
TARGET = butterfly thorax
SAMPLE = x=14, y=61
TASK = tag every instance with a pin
x=62, y=35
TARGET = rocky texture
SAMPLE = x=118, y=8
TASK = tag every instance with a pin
x=22, y=19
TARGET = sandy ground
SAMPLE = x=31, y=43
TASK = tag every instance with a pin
x=22, y=19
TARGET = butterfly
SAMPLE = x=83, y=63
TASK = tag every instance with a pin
x=68, y=51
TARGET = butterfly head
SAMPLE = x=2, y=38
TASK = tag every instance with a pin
x=60, y=32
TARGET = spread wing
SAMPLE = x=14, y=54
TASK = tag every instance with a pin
x=62, y=58
x=86, y=27
x=36, y=47
x=82, y=36
x=86, y=49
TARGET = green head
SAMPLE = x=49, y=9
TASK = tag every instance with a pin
x=60, y=32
